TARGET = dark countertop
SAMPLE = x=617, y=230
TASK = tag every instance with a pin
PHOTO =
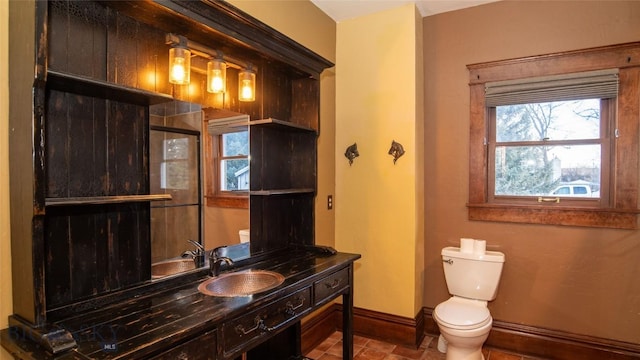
x=143, y=326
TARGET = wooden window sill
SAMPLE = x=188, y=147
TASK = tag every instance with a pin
x=227, y=202
x=571, y=216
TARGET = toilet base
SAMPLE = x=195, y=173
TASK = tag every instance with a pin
x=463, y=345
x=442, y=344
x=463, y=348
x=464, y=354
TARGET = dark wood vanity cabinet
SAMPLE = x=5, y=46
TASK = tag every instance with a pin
x=250, y=329
x=81, y=92
x=179, y=322
x=202, y=347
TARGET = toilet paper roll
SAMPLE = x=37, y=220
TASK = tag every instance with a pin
x=479, y=247
x=467, y=245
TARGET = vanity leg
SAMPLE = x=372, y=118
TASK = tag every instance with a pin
x=347, y=320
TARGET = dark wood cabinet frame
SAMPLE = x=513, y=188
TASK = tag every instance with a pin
x=79, y=163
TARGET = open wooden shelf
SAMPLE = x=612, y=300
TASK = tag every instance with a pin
x=97, y=200
x=102, y=89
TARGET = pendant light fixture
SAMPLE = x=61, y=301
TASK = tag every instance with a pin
x=180, y=67
x=247, y=84
x=180, y=63
x=217, y=75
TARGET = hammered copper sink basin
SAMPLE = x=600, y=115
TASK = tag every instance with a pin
x=241, y=283
x=171, y=267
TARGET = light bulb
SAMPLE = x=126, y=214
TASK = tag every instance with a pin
x=217, y=85
x=216, y=76
x=247, y=85
x=247, y=91
x=177, y=70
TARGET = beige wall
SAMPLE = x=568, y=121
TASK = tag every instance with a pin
x=221, y=226
x=579, y=280
x=376, y=203
x=6, y=307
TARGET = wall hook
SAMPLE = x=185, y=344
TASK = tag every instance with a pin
x=396, y=150
x=352, y=153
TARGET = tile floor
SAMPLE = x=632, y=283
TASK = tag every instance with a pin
x=370, y=349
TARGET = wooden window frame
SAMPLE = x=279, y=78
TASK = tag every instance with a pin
x=214, y=197
x=621, y=209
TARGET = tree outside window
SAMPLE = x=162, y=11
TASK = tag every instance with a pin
x=540, y=146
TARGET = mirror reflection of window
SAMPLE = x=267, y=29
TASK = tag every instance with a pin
x=234, y=161
x=226, y=159
x=175, y=169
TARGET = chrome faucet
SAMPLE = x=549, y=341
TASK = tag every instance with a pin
x=216, y=261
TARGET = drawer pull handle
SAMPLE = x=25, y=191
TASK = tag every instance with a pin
x=264, y=327
x=258, y=323
x=334, y=285
x=291, y=309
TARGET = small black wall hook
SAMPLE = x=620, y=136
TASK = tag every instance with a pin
x=352, y=153
x=396, y=150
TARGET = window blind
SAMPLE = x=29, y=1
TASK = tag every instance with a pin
x=584, y=85
x=227, y=125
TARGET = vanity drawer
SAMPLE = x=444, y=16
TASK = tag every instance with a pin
x=202, y=347
x=331, y=285
x=257, y=325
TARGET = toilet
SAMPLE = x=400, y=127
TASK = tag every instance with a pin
x=464, y=320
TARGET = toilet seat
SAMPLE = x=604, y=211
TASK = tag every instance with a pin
x=462, y=314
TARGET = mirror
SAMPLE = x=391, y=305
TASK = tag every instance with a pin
x=226, y=177
x=184, y=141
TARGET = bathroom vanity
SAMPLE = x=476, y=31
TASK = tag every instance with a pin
x=86, y=91
x=178, y=322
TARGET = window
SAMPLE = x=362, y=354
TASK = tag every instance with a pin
x=227, y=162
x=233, y=162
x=550, y=131
x=555, y=141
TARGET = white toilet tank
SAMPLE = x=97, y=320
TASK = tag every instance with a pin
x=470, y=275
x=244, y=235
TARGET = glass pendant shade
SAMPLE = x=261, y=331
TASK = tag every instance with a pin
x=247, y=85
x=216, y=76
x=179, y=66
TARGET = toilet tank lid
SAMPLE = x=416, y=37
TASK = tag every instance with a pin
x=454, y=252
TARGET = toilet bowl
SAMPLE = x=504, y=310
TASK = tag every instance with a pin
x=464, y=319
x=464, y=324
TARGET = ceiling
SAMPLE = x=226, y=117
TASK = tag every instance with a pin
x=340, y=10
